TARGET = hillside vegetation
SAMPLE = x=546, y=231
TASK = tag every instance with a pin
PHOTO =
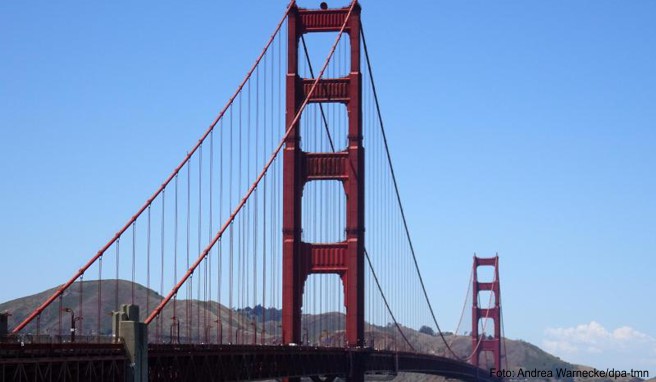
x=238, y=325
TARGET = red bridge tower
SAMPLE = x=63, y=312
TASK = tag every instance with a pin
x=345, y=258
x=486, y=344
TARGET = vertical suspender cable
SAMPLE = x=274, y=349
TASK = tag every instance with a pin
x=134, y=256
x=188, y=294
x=200, y=224
x=80, y=313
x=208, y=268
x=99, y=308
x=231, y=234
x=61, y=312
x=118, y=252
x=175, y=318
x=219, y=324
x=148, y=291
x=158, y=324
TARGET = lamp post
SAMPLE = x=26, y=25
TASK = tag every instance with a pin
x=237, y=335
x=207, y=333
x=219, y=330
x=4, y=328
x=254, y=324
x=73, y=320
x=174, y=331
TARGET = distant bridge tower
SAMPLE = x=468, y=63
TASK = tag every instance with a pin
x=486, y=344
x=345, y=258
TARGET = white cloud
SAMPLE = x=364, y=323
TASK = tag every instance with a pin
x=628, y=333
x=623, y=348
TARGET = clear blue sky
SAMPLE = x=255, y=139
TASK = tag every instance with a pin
x=534, y=123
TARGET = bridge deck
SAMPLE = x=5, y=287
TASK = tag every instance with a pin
x=253, y=362
x=62, y=362
x=170, y=362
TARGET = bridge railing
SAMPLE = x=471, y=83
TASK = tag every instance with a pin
x=58, y=339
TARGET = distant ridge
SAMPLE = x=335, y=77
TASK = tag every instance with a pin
x=326, y=329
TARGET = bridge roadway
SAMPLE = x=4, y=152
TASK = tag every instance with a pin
x=169, y=362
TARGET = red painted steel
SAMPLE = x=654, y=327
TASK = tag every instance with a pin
x=486, y=344
x=325, y=20
x=329, y=90
x=326, y=258
x=326, y=166
x=345, y=259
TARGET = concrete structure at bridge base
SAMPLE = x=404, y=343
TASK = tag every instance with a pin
x=126, y=326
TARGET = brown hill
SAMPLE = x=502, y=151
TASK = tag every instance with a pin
x=196, y=320
x=84, y=294
x=238, y=326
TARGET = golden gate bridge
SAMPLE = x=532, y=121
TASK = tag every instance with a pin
x=251, y=260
